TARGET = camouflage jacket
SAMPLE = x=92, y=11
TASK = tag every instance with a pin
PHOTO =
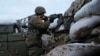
x=36, y=23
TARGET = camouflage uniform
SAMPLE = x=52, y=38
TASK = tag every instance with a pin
x=69, y=14
x=36, y=29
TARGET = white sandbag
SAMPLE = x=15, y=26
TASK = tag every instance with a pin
x=92, y=7
x=45, y=39
x=76, y=49
x=88, y=22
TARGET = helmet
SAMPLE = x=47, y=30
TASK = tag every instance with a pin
x=40, y=9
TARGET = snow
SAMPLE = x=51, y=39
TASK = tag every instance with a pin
x=54, y=24
x=61, y=27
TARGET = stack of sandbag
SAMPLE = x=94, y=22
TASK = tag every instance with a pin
x=76, y=49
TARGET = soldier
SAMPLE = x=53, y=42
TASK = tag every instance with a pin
x=38, y=24
x=69, y=14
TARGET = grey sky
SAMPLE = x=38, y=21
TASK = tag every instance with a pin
x=10, y=10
